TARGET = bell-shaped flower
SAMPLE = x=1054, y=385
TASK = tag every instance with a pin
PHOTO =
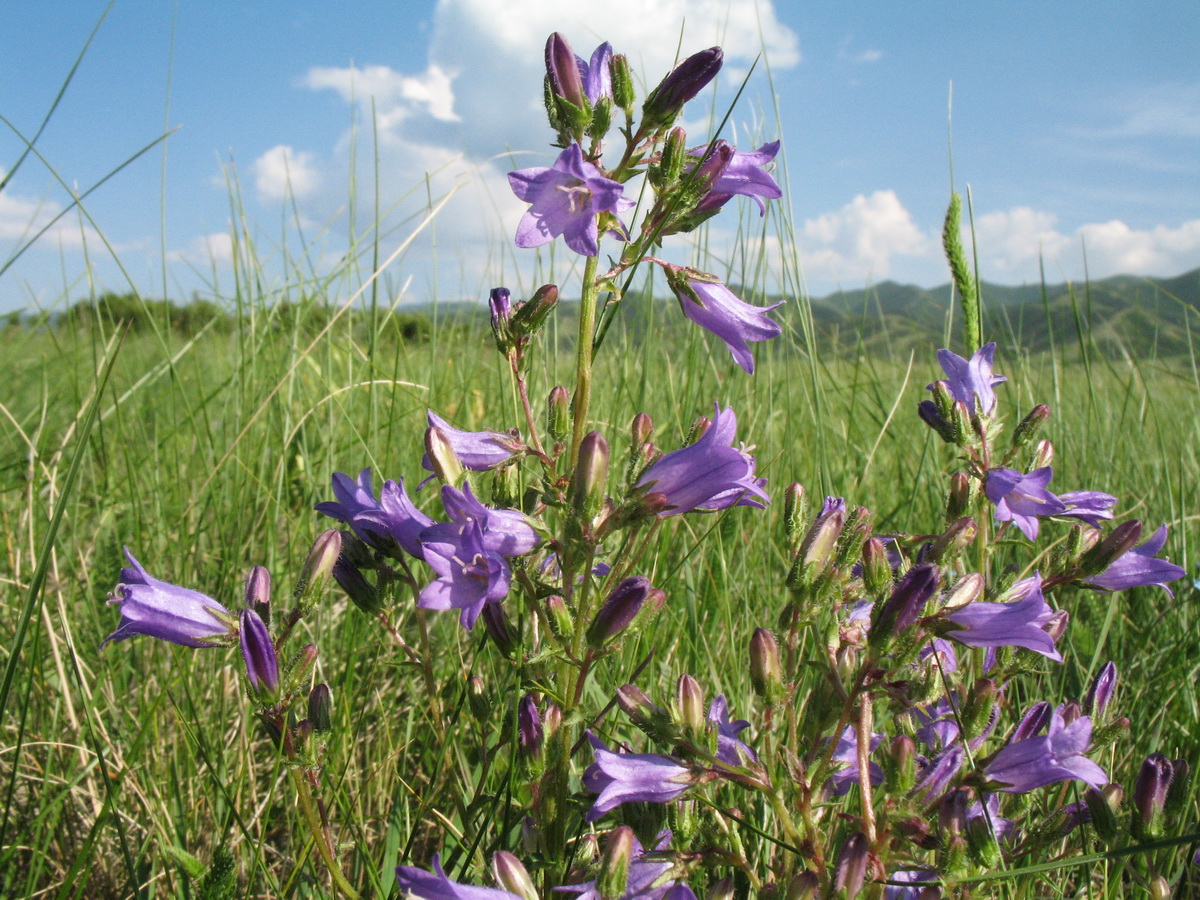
x=395, y=523
x=632, y=777
x=1034, y=762
x=1139, y=567
x=476, y=450
x=565, y=199
x=469, y=575
x=353, y=496
x=1092, y=507
x=969, y=379
x=595, y=74
x=258, y=652
x=745, y=174
x=649, y=877
x=1022, y=498
x=166, y=611
x=507, y=532
x=715, y=308
x=707, y=475
x=436, y=885
x=730, y=748
x=845, y=754
x=1021, y=623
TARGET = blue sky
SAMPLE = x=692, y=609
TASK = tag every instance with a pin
x=1076, y=125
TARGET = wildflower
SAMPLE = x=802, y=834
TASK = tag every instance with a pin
x=1092, y=507
x=1101, y=690
x=648, y=878
x=906, y=883
x=564, y=200
x=1139, y=567
x=1021, y=623
x=1035, y=762
x=476, y=450
x=846, y=754
x=744, y=174
x=353, y=496
x=262, y=665
x=937, y=773
x=597, y=80
x=469, y=574
x=394, y=524
x=968, y=379
x=1022, y=498
x=989, y=812
x=436, y=885
x=165, y=611
x=730, y=748
x=507, y=532
x=707, y=475
x=684, y=82
x=713, y=307
x=632, y=777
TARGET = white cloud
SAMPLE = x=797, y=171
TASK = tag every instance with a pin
x=282, y=174
x=207, y=250
x=390, y=95
x=870, y=55
x=1014, y=239
x=23, y=217
x=861, y=239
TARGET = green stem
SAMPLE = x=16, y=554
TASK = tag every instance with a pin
x=320, y=833
x=583, y=357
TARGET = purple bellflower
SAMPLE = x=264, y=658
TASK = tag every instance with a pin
x=709, y=474
x=469, y=574
x=632, y=777
x=730, y=748
x=907, y=883
x=353, y=496
x=258, y=651
x=1035, y=762
x=595, y=74
x=648, y=879
x=989, y=811
x=1021, y=623
x=1092, y=507
x=1022, y=498
x=476, y=450
x=165, y=611
x=1139, y=567
x=436, y=885
x=744, y=174
x=564, y=199
x=846, y=753
x=395, y=522
x=716, y=309
x=507, y=532
x=969, y=379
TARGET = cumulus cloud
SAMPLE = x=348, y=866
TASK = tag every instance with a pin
x=21, y=218
x=282, y=174
x=861, y=239
x=207, y=250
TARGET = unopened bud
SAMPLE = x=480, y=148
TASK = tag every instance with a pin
x=529, y=728
x=1180, y=787
x=262, y=665
x=981, y=843
x=500, y=628
x=533, y=313
x=766, y=673
x=803, y=887
x=622, y=83
x=685, y=81
x=876, y=567
x=958, y=503
x=1103, y=813
x=567, y=106
x=932, y=416
x=562, y=623
x=552, y=720
x=306, y=658
x=1028, y=427
x=506, y=487
x=500, y=305
x=981, y=702
x=613, y=876
x=361, y=592
x=443, y=460
x=1160, y=888
x=952, y=813
x=721, y=890
x=903, y=759
x=591, y=475
x=1150, y=796
x=512, y=876
x=794, y=513
x=850, y=870
x=640, y=429
x=966, y=590
x=1043, y=455
x=258, y=593
x=478, y=699
x=644, y=712
x=674, y=157
x=1120, y=541
x=689, y=701
x=1101, y=691
x=320, y=707
x=897, y=614
x=698, y=430
x=1036, y=718
x=558, y=421
x=954, y=539
x=1055, y=625
x=318, y=568
x=619, y=609
x=816, y=550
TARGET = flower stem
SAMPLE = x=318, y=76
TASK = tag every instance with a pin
x=320, y=833
x=583, y=357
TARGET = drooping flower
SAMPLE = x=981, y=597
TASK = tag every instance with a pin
x=968, y=379
x=565, y=199
x=476, y=450
x=716, y=309
x=1022, y=498
x=632, y=777
x=744, y=174
x=1139, y=567
x=436, y=885
x=353, y=496
x=1021, y=623
x=1034, y=762
x=166, y=611
x=1092, y=507
x=707, y=475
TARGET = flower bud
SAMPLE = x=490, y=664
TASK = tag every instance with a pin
x=1055, y=625
x=903, y=760
x=506, y=487
x=1120, y=541
x=645, y=713
x=258, y=593
x=500, y=628
x=262, y=665
x=1036, y=718
x=532, y=314
x=306, y=658
x=591, y=475
x=302, y=734
x=1103, y=813
x=766, y=673
x=1150, y=796
x=500, y=305
x=954, y=539
x=562, y=623
x=622, y=83
x=529, y=728
x=981, y=703
x=958, y=503
x=1160, y=888
x=1043, y=455
x=966, y=590
x=478, y=700
x=318, y=568
x=804, y=886
x=704, y=177
x=685, y=81
x=850, y=870
x=698, y=430
x=981, y=843
x=618, y=610
x=1100, y=692
x=1028, y=427
x=558, y=421
x=794, y=512
x=552, y=720
x=566, y=104
x=721, y=890
x=876, y=567
x=512, y=876
x=816, y=550
x=897, y=614
x=673, y=158
x=442, y=458
x=689, y=701
x=640, y=429
x=952, y=813
x=320, y=707
x=361, y=592
x=931, y=416
x=614, y=864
